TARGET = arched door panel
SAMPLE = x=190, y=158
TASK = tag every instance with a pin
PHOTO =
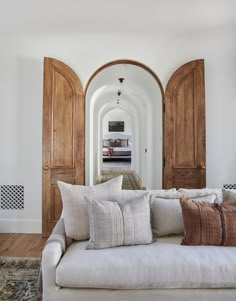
x=63, y=136
x=184, y=120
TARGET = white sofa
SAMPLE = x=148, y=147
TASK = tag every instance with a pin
x=163, y=270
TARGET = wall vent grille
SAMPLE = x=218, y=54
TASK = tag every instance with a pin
x=229, y=186
x=12, y=197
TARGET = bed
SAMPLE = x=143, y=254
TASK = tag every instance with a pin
x=116, y=149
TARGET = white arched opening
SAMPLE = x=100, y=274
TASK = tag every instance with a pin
x=142, y=99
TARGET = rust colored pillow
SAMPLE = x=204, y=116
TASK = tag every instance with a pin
x=208, y=224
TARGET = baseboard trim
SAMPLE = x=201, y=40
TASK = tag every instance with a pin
x=20, y=226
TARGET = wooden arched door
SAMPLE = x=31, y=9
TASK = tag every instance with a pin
x=63, y=136
x=184, y=122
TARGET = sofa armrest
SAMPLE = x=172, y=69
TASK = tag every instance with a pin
x=52, y=253
x=58, y=235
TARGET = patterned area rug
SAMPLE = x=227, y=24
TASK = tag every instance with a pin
x=129, y=180
x=19, y=278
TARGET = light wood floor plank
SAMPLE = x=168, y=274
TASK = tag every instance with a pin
x=21, y=245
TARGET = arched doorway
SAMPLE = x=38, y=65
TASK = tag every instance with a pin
x=141, y=95
x=63, y=142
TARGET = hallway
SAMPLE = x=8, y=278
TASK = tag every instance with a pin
x=130, y=180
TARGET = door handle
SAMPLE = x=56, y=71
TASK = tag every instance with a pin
x=202, y=166
x=46, y=167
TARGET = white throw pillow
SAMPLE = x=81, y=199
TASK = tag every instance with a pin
x=192, y=193
x=229, y=195
x=117, y=224
x=167, y=215
x=75, y=210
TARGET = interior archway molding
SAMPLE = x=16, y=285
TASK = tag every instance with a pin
x=125, y=61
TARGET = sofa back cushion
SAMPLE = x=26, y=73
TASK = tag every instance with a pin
x=167, y=214
x=192, y=193
x=115, y=224
x=209, y=224
x=129, y=194
x=229, y=195
x=75, y=210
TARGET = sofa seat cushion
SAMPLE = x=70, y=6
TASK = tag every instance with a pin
x=163, y=264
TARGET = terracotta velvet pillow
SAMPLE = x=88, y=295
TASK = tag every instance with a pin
x=208, y=224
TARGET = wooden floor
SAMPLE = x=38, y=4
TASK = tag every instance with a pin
x=21, y=245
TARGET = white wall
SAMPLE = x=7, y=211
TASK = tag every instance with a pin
x=117, y=115
x=21, y=94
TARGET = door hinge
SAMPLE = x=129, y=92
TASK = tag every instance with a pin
x=164, y=162
x=164, y=107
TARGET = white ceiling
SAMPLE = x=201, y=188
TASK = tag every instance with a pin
x=72, y=16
